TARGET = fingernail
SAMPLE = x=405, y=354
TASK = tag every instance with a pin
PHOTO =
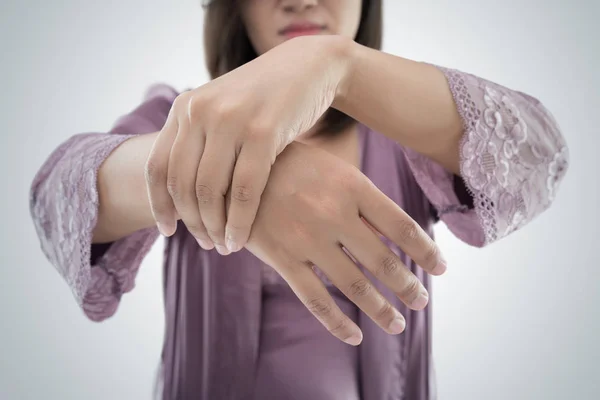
x=222, y=250
x=205, y=245
x=421, y=301
x=397, y=326
x=440, y=268
x=354, y=340
x=232, y=246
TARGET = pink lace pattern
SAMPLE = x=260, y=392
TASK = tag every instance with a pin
x=64, y=204
x=512, y=159
x=64, y=208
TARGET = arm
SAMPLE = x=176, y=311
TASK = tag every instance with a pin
x=504, y=144
x=123, y=202
x=398, y=97
x=64, y=205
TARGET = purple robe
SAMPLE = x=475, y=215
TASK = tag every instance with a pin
x=234, y=329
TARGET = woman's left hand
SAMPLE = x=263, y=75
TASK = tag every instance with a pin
x=332, y=221
x=245, y=118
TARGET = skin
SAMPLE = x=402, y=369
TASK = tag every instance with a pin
x=214, y=164
x=265, y=20
x=308, y=219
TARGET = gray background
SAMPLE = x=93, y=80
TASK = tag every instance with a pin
x=516, y=320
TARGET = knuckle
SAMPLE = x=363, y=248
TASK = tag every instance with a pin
x=195, y=229
x=195, y=106
x=204, y=193
x=226, y=110
x=242, y=193
x=259, y=129
x=386, y=312
x=389, y=265
x=320, y=307
x=432, y=254
x=235, y=229
x=408, y=230
x=338, y=328
x=181, y=102
x=152, y=172
x=410, y=290
x=177, y=103
x=216, y=236
x=174, y=188
x=360, y=288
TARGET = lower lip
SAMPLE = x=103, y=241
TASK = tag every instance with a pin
x=303, y=32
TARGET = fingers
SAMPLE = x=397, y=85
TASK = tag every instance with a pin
x=344, y=274
x=395, y=224
x=312, y=293
x=366, y=247
x=212, y=182
x=155, y=172
x=181, y=180
x=249, y=180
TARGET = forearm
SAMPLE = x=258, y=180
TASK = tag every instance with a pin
x=512, y=155
x=123, y=201
x=407, y=101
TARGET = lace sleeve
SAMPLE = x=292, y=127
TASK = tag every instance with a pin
x=512, y=160
x=64, y=205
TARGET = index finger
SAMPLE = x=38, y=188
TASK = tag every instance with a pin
x=156, y=169
x=394, y=223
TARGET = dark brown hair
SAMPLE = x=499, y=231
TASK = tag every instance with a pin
x=227, y=46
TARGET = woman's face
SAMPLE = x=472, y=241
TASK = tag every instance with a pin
x=271, y=22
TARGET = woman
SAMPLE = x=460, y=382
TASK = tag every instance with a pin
x=287, y=168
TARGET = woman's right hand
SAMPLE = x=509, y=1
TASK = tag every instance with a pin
x=225, y=135
x=306, y=216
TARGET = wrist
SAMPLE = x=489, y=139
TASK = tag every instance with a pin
x=344, y=51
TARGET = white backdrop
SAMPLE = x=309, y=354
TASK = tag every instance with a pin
x=517, y=320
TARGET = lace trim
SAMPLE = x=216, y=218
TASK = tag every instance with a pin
x=512, y=155
x=64, y=207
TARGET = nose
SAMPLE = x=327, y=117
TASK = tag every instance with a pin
x=298, y=5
